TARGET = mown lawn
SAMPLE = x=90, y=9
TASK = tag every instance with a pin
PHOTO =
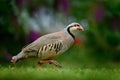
x=34, y=73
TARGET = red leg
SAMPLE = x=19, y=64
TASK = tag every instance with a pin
x=48, y=61
x=55, y=63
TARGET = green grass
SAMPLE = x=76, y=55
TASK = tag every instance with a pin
x=75, y=66
x=34, y=73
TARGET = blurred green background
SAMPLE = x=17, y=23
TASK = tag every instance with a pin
x=23, y=21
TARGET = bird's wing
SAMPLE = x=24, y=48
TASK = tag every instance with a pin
x=50, y=50
x=47, y=39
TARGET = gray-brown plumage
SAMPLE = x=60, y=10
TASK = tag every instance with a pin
x=50, y=45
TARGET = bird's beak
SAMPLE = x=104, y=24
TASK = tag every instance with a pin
x=80, y=28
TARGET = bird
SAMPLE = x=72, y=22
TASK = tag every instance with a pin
x=48, y=46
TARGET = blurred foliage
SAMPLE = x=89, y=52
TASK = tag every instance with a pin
x=102, y=39
x=10, y=32
x=103, y=44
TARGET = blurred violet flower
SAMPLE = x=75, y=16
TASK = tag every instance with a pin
x=19, y=3
x=99, y=13
x=62, y=6
x=33, y=35
x=8, y=56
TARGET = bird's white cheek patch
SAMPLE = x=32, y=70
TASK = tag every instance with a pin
x=73, y=29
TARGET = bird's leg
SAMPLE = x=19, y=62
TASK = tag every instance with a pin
x=55, y=63
x=50, y=62
x=40, y=64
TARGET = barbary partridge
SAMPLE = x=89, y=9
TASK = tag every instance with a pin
x=50, y=45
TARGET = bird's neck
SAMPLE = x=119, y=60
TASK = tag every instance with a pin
x=70, y=33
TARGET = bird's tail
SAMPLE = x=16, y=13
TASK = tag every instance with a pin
x=16, y=58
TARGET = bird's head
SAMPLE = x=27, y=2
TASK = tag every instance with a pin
x=73, y=27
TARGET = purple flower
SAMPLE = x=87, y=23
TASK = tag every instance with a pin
x=8, y=56
x=62, y=6
x=34, y=35
x=99, y=13
x=20, y=3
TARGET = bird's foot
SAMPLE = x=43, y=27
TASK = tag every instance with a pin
x=39, y=64
x=55, y=63
x=50, y=62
